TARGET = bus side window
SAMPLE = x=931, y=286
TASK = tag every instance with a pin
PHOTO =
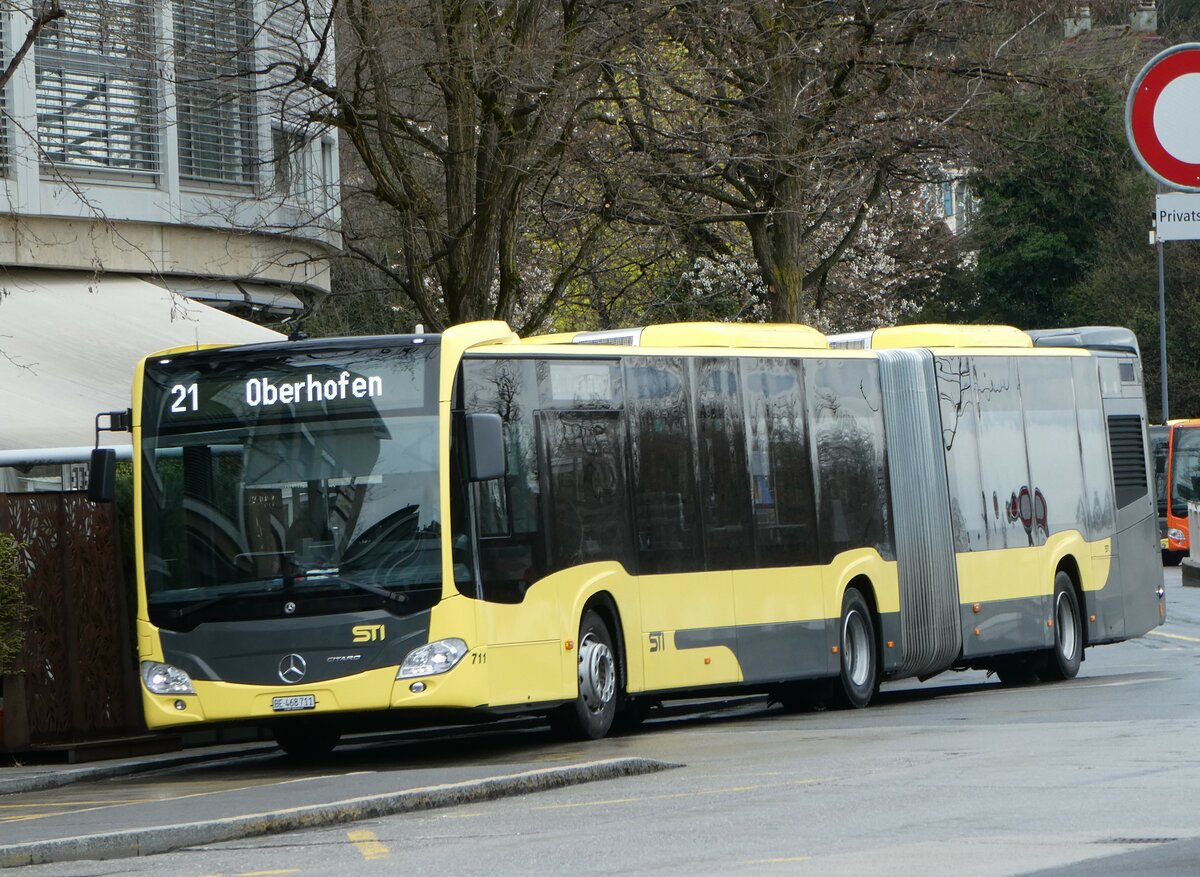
x=846, y=420
x=781, y=481
x=663, y=456
x=969, y=508
x=725, y=487
x=585, y=496
x=1052, y=438
x=491, y=503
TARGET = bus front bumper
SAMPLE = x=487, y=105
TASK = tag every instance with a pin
x=464, y=686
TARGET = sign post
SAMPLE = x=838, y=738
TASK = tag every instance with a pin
x=1163, y=127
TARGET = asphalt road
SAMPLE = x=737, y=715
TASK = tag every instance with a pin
x=958, y=775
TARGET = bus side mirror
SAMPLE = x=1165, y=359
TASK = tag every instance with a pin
x=485, y=446
x=102, y=475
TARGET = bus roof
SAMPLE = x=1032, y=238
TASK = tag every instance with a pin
x=770, y=335
x=1114, y=338
x=933, y=335
x=796, y=336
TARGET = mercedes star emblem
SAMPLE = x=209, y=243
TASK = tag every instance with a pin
x=291, y=669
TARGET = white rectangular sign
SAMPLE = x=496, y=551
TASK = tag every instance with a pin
x=1177, y=216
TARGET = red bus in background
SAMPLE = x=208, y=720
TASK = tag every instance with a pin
x=1180, y=474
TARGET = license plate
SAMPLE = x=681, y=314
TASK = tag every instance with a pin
x=294, y=702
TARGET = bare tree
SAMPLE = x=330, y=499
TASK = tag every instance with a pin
x=798, y=119
x=41, y=18
x=457, y=113
x=582, y=162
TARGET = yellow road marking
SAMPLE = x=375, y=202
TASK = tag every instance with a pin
x=58, y=808
x=87, y=806
x=368, y=845
x=635, y=800
x=71, y=803
x=29, y=817
x=1188, y=639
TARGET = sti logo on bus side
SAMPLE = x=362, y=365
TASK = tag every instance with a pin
x=368, y=633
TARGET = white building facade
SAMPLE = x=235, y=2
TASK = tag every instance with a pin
x=158, y=180
x=150, y=138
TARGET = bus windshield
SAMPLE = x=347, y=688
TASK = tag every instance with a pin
x=1185, y=469
x=305, y=484
x=1159, y=435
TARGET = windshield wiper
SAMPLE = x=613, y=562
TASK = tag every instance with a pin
x=334, y=575
x=176, y=615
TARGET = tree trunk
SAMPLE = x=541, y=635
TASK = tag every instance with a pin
x=778, y=239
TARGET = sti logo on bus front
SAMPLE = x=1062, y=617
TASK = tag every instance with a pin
x=368, y=633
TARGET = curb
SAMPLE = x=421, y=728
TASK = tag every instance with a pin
x=162, y=839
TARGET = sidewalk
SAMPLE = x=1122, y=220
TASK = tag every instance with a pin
x=41, y=823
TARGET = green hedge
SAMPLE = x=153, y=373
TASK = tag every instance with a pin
x=14, y=609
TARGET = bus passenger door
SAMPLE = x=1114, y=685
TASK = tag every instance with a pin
x=688, y=638
x=585, y=534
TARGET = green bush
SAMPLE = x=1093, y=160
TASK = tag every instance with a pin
x=14, y=609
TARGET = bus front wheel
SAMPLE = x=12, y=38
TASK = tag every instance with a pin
x=860, y=659
x=1067, y=651
x=590, y=716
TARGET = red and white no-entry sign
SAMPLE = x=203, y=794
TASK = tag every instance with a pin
x=1162, y=117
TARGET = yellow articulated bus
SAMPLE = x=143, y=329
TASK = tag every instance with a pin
x=339, y=534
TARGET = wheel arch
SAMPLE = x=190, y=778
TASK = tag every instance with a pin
x=863, y=584
x=604, y=604
x=1070, y=565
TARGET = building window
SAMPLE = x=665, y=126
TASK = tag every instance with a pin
x=215, y=94
x=328, y=175
x=97, y=93
x=290, y=164
x=4, y=98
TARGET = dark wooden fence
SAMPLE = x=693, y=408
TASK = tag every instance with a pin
x=78, y=683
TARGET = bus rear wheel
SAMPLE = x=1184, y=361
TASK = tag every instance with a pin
x=1067, y=652
x=860, y=659
x=590, y=716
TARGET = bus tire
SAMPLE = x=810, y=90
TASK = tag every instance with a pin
x=306, y=741
x=859, y=675
x=1067, y=652
x=590, y=716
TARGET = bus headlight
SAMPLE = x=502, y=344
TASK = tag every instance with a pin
x=429, y=660
x=165, y=679
x=1176, y=534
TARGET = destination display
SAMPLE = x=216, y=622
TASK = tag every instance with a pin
x=248, y=388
